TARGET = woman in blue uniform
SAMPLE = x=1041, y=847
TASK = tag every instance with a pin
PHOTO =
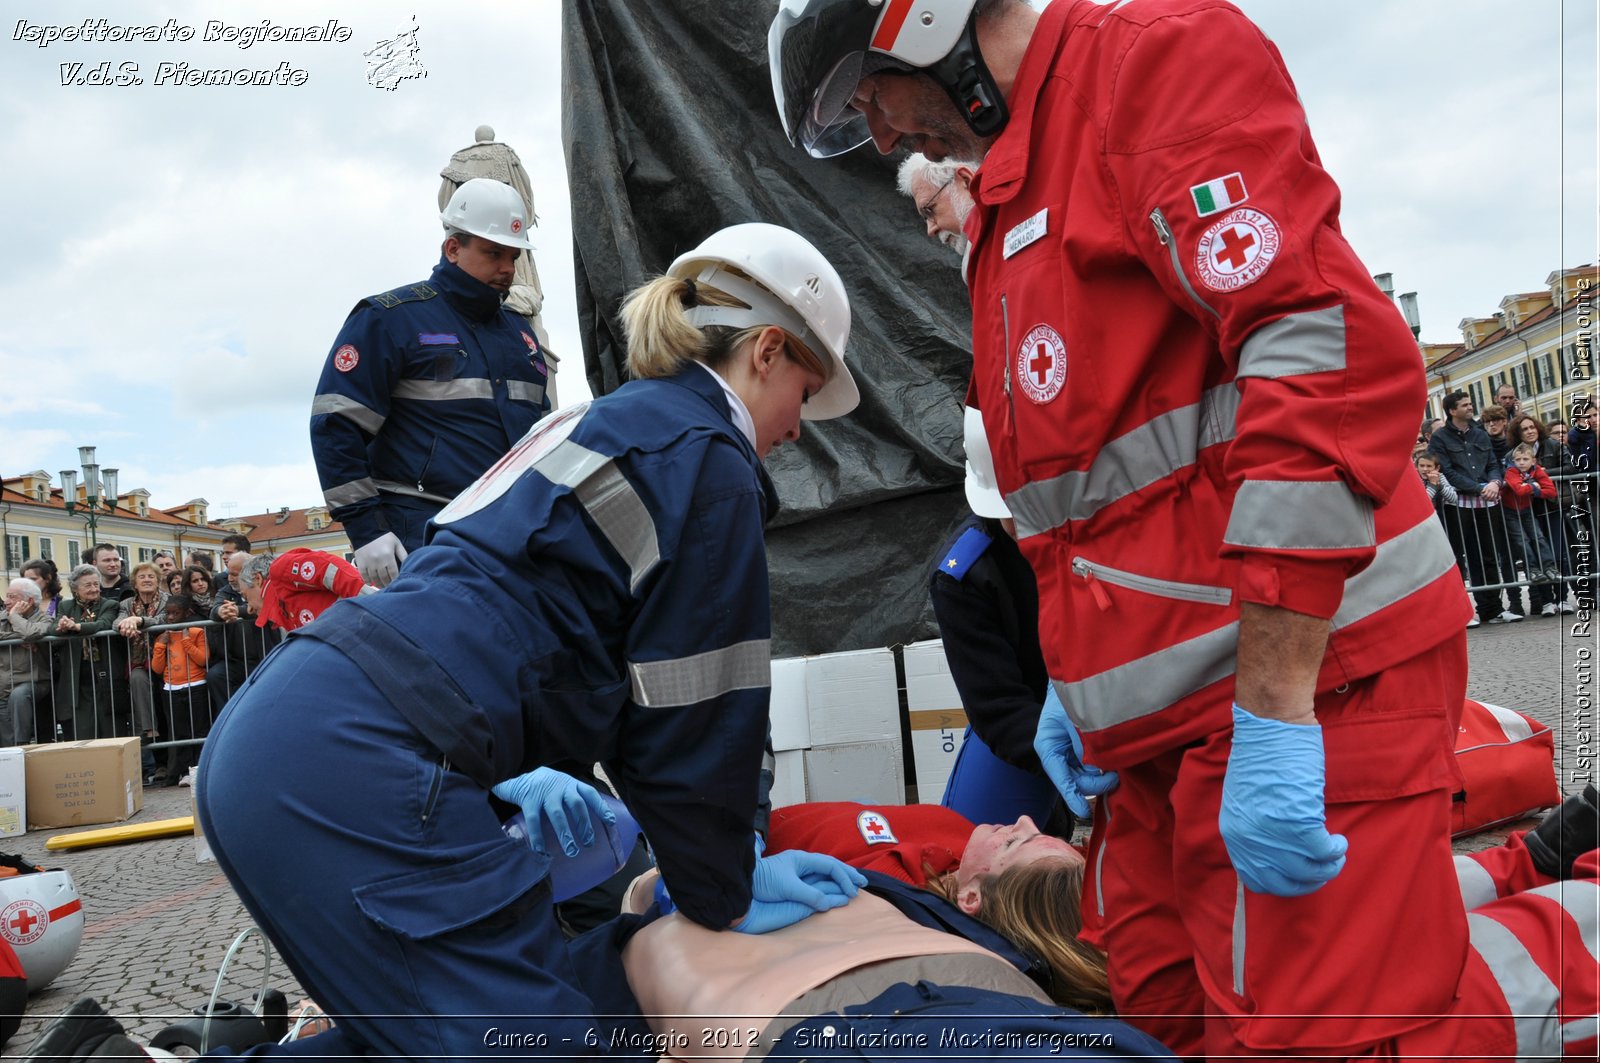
x=600, y=594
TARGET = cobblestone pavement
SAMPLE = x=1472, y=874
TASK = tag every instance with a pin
x=158, y=923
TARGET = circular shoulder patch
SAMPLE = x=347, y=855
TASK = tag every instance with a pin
x=306, y=617
x=1236, y=250
x=1042, y=364
x=346, y=358
x=308, y=570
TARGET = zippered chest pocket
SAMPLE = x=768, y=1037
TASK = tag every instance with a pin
x=1097, y=576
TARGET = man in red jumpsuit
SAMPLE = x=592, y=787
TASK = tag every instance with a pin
x=1199, y=405
x=294, y=588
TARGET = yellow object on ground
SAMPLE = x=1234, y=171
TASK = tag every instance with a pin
x=126, y=832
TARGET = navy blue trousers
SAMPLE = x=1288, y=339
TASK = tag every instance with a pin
x=382, y=876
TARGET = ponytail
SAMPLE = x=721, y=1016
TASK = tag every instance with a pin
x=660, y=338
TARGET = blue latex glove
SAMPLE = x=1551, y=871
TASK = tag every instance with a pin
x=1060, y=750
x=1274, y=821
x=794, y=884
x=570, y=807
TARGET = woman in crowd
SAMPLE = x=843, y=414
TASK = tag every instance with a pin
x=52, y=656
x=144, y=608
x=200, y=585
x=1548, y=599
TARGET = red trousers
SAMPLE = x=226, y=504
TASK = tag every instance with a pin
x=1383, y=959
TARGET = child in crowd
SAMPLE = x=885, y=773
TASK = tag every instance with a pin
x=1440, y=493
x=180, y=658
x=1525, y=481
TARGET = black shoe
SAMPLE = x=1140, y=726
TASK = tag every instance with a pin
x=1566, y=834
x=83, y=1031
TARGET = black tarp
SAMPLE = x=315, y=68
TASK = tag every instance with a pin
x=671, y=133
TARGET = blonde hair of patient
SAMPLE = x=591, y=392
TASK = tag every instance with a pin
x=1037, y=908
x=661, y=339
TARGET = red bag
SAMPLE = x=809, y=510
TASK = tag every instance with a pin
x=1508, y=760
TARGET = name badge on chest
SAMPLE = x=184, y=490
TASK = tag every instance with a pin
x=1024, y=233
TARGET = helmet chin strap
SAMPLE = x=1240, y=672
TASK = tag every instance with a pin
x=963, y=74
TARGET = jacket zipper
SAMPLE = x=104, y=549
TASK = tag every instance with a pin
x=1097, y=575
x=1005, y=329
x=433, y=790
x=1164, y=234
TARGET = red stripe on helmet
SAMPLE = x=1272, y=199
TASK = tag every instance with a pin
x=894, y=16
x=65, y=910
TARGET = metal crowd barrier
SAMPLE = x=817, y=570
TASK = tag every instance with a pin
x=105, y=686
x=1503, y=549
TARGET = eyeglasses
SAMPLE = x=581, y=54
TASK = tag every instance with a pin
x=926, y=209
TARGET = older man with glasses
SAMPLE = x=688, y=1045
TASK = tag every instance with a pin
x=940, y=192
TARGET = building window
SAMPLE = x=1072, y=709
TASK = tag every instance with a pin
x=1543, y=379
x=47, y=549
x=16, y=551
x=122, y=549
x=147, y=553
x=74, y=552
x=1475, y=390
x=1519, y=375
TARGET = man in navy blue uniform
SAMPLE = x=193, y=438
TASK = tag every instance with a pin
x=428, y=384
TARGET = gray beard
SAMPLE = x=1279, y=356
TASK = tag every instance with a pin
x=956, y=242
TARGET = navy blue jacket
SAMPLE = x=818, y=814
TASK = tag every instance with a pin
x=600, y=595
x=1466, y=459
x=425, y=387
x=987, y=604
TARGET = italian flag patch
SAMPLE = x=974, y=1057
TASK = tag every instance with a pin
x=1218, y=195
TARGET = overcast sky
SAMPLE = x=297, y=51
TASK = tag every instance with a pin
x=181, y=257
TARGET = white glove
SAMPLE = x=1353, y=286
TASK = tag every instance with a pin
x=379, y=561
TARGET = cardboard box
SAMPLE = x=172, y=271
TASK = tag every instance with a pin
x=791, y=726
x=13, y=792
x=938, y=721
x=852, y=697
x=76, y=784
x=869, y=772
x=789, y=778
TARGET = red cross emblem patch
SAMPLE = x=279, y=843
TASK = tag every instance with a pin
x=346, y=358
x=1236, y=250
x=1041, y=366
x=24, y=922
x=874, y=829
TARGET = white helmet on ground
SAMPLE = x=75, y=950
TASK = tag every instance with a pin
x=490, y=209
x=810, y=301
x=983, y=492
x=42, y=920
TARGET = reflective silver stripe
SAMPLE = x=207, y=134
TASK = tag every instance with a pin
x=691, y=680
x=1150, y=683
x=1515, y=725
x=389, y=487
x=1313, y=342
x=365, y=418
x=1238, y=941
x=1576, y=1031
x=1477, y=885
x=443, y=390
x=621, y=514
x=328, y=576
x=1581, y=899
x=1295, y=515
x=352, y=492
x=1530, y=996
x=1131, y=462
x=1402, y=566
x=1100, y=860
x=525, y=391
x=569, y=464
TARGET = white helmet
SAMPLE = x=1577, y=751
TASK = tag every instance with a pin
x=983, y=493
x=42, y=920
x=490, y=209
x=819, y=50
x=811, y=303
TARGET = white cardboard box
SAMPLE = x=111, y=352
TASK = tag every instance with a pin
x=789, y=778
x=791, y=722
x=13, y=792
x=852, y=698
x=938, y=721
x=861, y=771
